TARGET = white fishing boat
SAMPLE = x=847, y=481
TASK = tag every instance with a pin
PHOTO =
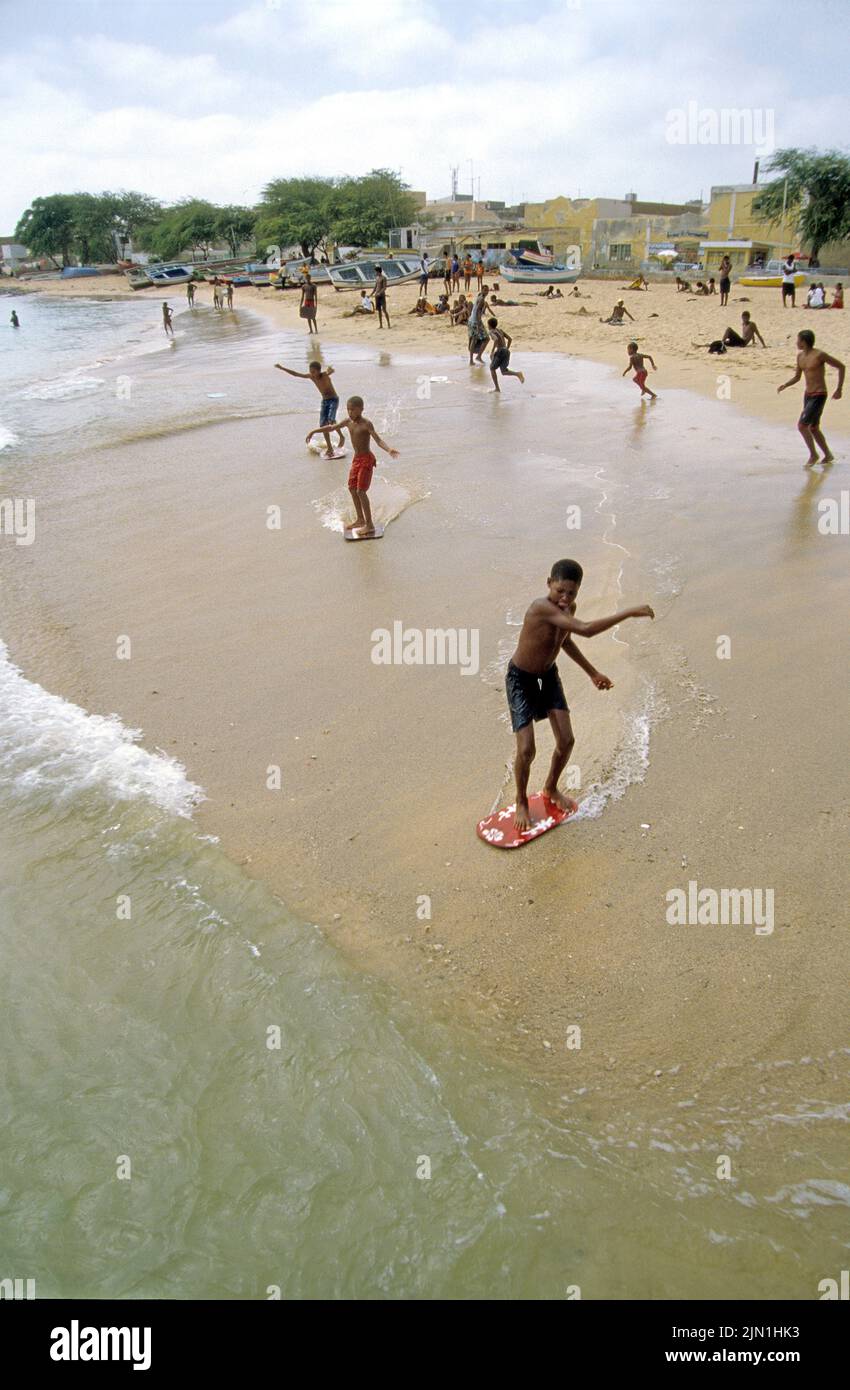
x=357, y=275
x=160, y=275
x=538, y=275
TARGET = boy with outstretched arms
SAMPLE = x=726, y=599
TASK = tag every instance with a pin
x=321, y=378
x=534, y=686
x=812, y=364
x=636, y=361
x=362, y=431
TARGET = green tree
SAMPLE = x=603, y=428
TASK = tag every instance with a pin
x=235, y=225
x=296, y=212
x=817, y=201
x=188, y=225
x=93, y=225
x=47, y=227
x=132, y=212
x=370, y=205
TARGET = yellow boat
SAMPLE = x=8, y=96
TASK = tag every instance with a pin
x=770, y=279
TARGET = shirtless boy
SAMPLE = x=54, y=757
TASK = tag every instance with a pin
x=321, y=377
x=379, y=296
x=500, y=353
x=811, y=363
x=534, y=686
x=617, y=313
x=362, y=431
x=747, y=336
x=166, y=319
x=636, y=361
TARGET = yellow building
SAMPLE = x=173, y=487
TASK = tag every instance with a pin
x=619, y=232
x=736, y=232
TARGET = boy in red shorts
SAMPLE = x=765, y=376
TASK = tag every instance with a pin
x=362, y=432
x=636, y=361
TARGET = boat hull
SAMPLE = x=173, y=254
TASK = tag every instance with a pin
x=359, y=275
x=169, y=275
x=770, y=282
x=555, y=275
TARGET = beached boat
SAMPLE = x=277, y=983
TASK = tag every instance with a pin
x=539, y=275
x=771, y=282
x=356, y=275
x=75, y=272
x=139, y=278
x=169, y=274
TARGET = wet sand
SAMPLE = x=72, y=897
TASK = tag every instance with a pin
x=668, y=325
x=252, y=651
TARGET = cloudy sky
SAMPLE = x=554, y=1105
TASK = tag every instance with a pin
x=179, y=98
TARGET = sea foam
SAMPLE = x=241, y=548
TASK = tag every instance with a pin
x=47, y=743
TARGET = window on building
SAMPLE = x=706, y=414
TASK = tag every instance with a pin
x=622, y=251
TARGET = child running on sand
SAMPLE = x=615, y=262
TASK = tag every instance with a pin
x=500, y=353
x=812, y=365
x=533, y=684
x=321, y=378
x=363, y=463
x=636, y=361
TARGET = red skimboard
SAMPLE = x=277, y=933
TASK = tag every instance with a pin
x=500, y=828
x=351, y=535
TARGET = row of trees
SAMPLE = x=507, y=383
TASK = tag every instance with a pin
x=303, y=212
x=813, y=188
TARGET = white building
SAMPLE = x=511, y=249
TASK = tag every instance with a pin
x=11, y=254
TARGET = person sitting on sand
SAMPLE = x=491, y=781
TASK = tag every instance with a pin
x=749, y=333
x=636, y=361
x=711, y=288
x=551, y=293
x=500, y=353
x=362, y=432
x=321, y=379
x=364, y=307
x=641, y=283
x=812, y=364
x=533, y=685
x=617, y=313
x=575, y=293
x=838, y=297
x=682, y=286
x=460, y=312
x=816, y=298
x=701, y=288
x=442, y=304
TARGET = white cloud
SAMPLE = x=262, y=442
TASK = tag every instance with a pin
x=546, y=106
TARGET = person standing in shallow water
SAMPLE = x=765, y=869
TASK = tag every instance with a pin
x=533, y=685
x=166, y=318
x=309, y=303
x=190, y=294
x=14, y=320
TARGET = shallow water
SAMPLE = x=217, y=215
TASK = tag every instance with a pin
x=163, y=1138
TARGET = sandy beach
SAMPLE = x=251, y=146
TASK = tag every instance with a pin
x=667, y=325
x=692, y=505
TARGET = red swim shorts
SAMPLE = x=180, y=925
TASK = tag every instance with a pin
x=640, y=377
x=362, y=467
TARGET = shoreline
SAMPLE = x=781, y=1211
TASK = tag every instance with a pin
x=747, y=378
x=574, y=928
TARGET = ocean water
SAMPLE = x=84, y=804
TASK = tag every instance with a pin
x=202, y=1099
